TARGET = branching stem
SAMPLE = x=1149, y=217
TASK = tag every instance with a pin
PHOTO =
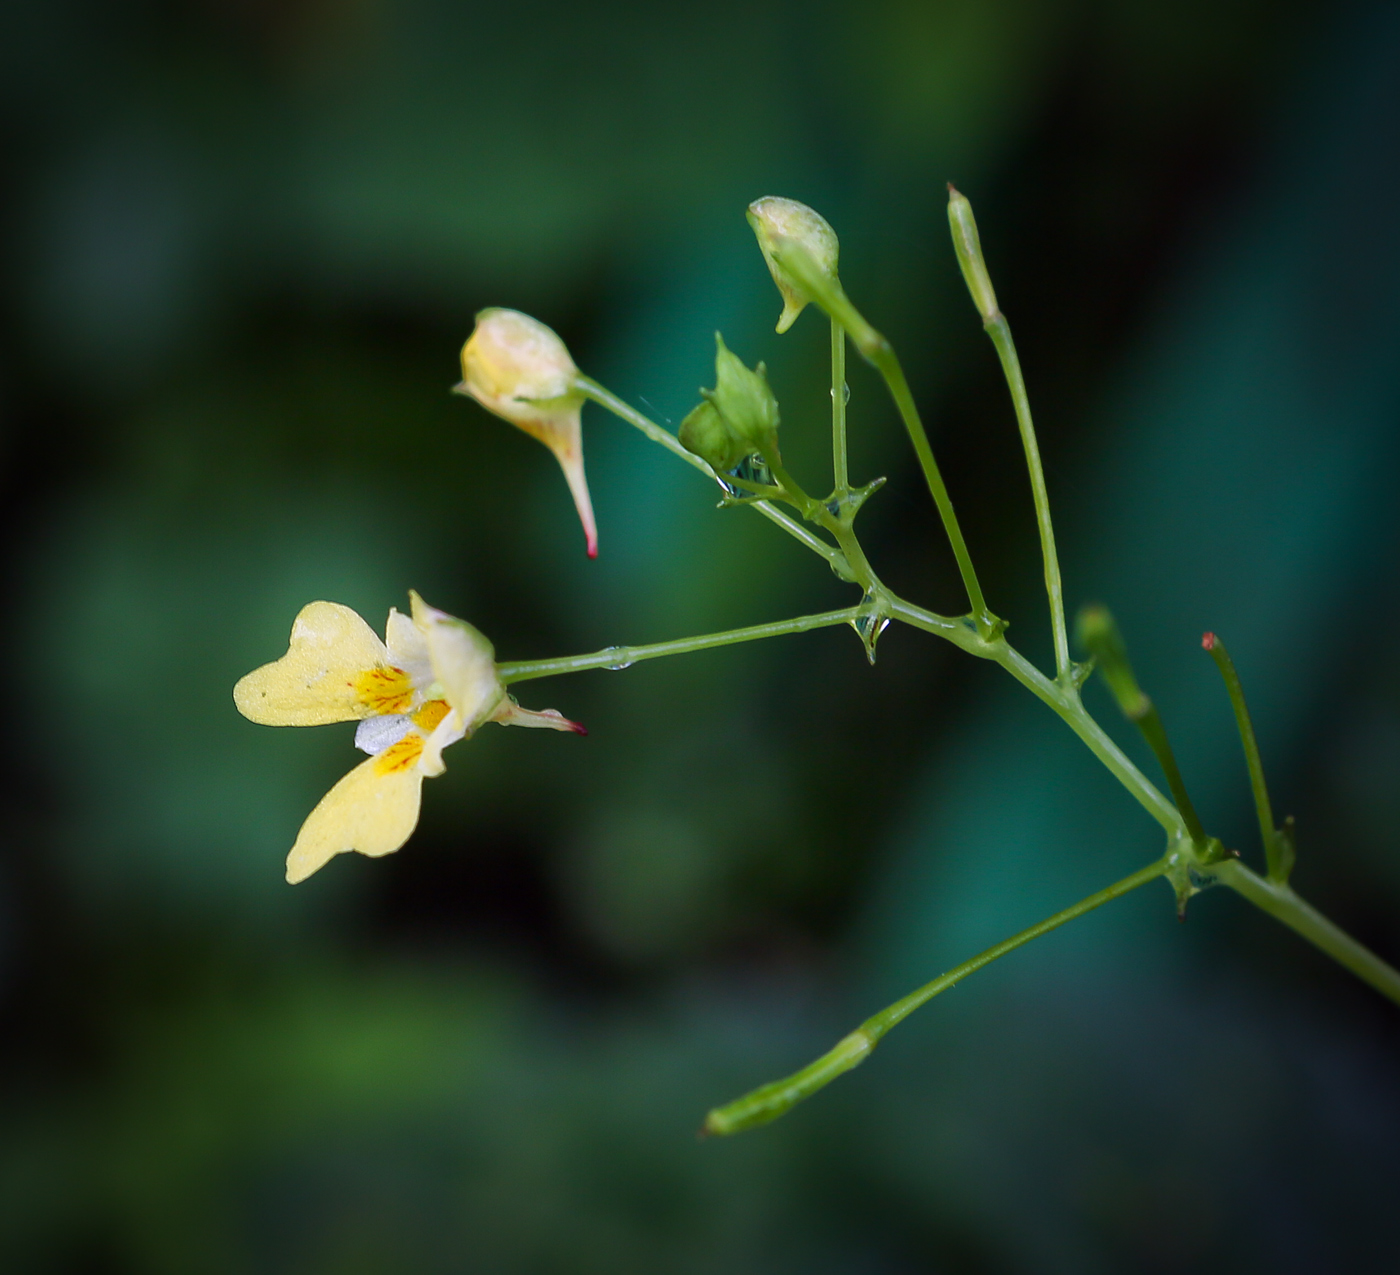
x=1191, y=858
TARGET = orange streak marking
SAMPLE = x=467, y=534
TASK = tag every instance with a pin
x=399, y=757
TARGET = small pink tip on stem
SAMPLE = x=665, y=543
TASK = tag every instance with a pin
x=578, y=728
x=571, y=462
x=1208, y=641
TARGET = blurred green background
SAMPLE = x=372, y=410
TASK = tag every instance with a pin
x=243, y=241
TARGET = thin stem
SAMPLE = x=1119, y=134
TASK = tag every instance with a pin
x=618, y=657
x=1281, y=903
x=773, y=1100
x=1149, y=722
x=828, y=293
x=1000, y=332
x=1275, y=852
x=1099, y=633
x=838, y=409
x=862, y=573
x=625, y=411
x=1064, y=700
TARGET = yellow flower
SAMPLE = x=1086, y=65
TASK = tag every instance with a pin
x=517, y=367
x=431, y=682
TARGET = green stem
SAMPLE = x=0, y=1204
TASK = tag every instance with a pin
x=773, y=1100
x=1275, y=851
x=1063, y=699
x=1000, y=332
x=625, y=411
x=828, y=293
x=1281, y=903
x=862, y=573
x=1149, y=722
x=838, y=410
x=618, y=657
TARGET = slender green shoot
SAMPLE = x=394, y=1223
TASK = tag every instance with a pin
x=1098, y=633
x=620, y=657
x=1278, y=843
x=967, y=247
x=1000, y=332
x=773, y=1100
x=838, y=411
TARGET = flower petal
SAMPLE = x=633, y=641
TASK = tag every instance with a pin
x=447, y=731
x=373, y=810
x=463, y=662
x=408, y=649
x=317, y=681
x=374, y=734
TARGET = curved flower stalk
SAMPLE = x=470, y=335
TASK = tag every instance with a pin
x=518, y=368
x=429, y=683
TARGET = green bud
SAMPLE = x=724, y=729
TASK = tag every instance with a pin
x=969, y=249
x=774, y=220
x=743, y=398
x=706, y=434
x=1097, y=632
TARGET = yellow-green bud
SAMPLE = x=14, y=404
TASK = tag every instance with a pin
x=969, y=250
x=775, y=219
x=706, y=434
x=743, y=398
x=1097, y=632
x=516, y=367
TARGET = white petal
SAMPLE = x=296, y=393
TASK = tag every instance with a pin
x=408, y=649
x=374, y=734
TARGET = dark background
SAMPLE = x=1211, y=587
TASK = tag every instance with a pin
x=243, y=242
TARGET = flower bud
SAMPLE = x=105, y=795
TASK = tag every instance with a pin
x=775, y=219
x=969, y=251
x=743, y=399
x=706, y=434
x=519, y=369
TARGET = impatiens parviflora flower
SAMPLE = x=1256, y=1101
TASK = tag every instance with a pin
x=519, y=369
x=775, y=219
x=431, y=682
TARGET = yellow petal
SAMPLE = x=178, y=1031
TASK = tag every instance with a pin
x=373, y=810
x=448, y=730
x=463, y=662
x=326, y=674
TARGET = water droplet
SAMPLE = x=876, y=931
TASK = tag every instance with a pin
x=869, y=624
x=621, y=662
